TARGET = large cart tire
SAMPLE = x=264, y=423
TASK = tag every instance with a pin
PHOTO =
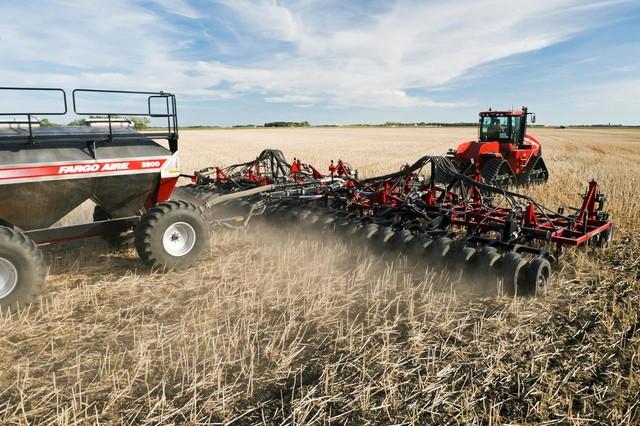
x=172, y=235
x=117, y=241
x=197, y=195
x=22, y=270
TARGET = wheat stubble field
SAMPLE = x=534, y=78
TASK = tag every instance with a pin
x=277, y=327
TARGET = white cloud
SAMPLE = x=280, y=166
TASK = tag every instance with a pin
x=372, y=63
x=178, y=7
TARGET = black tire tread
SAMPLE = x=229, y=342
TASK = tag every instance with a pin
x=30, y=250
x=144, y=230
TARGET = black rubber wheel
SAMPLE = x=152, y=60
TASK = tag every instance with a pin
x=380, y=240
x=172, y=235
x=117, y=241
x=352, y=229
x=437, y=251
x=22, y=270
x=194, y=194
x=400, y=240
x=368, y=231
x=458, y=257
x=416, y=249
x=482, y=266
x=511, y=270
x=537, y=277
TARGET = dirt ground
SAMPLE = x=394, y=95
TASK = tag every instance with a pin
x=278, y=327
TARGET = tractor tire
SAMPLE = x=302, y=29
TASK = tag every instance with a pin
x=22, y=270
x=172, y=235
x=497, y=172
x=119, y=241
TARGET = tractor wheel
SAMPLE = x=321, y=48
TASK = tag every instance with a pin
x=22, y=270
x=537, y=277
x=497, y=172
x=118, y=241
x=172, y=235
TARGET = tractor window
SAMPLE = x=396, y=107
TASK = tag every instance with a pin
x=495, y=128
x=515, y=130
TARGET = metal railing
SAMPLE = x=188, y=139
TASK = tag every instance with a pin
x=169, y=112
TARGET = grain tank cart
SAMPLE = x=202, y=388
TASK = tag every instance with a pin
x=46, y=172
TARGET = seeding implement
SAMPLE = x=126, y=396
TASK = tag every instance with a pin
x=269, y=170
x=504, y=154
x=481, y=232
x=438, y=210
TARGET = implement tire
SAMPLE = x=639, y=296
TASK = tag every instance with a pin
x=117, y=241
x=172, y=235
x=22, y=270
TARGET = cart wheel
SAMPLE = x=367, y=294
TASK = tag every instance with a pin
x=172, y=235
x=118, y=241
x=537, y=277
x=512, y=266
x=22, y=269
x=194, y=194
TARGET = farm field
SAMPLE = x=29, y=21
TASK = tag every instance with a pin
x=277, y=327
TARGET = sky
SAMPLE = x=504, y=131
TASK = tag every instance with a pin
x=337, y=62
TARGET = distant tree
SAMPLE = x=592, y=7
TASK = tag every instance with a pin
x=46, y=123
x=287, y=124
x=79, y=122
x=140, y=122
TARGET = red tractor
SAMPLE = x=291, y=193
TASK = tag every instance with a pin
x=504, y=154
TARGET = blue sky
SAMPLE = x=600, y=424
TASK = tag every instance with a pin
x=240, y=61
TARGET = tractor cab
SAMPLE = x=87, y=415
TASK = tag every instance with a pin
x=503, y=126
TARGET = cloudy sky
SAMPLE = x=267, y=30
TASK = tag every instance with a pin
x=242, y=61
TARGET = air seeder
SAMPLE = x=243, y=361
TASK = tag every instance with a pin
x=46, y=172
